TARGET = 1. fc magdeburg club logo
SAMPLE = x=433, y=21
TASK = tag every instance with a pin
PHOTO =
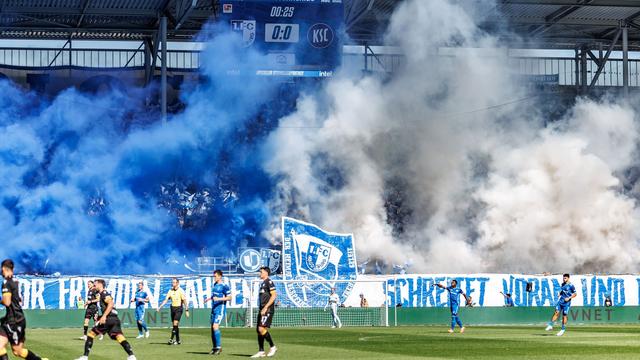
x=247, y=28
x=311, y=253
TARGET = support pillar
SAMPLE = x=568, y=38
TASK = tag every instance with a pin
x=625, y=60
x=577, y=65
x=583, y=69
x=163, y=74
x=147, y=61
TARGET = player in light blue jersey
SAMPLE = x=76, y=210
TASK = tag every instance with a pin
x=220, y=294
x=141, y=299
x=567, y=293
x=454, y=303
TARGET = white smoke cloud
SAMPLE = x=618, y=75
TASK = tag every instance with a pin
x=555, y=205
x=449, y=160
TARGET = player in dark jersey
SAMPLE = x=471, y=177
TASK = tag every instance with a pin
x=13, y=325
x=267, y=310
x=107, y=324
x=91, y=308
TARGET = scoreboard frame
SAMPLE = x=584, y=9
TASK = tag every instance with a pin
x=298, y=38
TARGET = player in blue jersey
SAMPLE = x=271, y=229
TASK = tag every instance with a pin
x=454, y=303
x=141, y=299
x=220, y=294
x=567, y=293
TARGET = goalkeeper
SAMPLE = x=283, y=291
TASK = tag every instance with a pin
x=454, y=303
x=334, y=299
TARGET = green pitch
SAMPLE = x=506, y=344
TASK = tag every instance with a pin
x=619, y=342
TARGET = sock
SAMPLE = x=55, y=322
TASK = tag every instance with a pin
x=563, y=326
x=550, y=323
x=213, y=339
x=144, y=326
x=139, y=328
x=267, y=336
x=127, y=347
x=85, y=330
x=3, y=354
x=177, y=334
x=459, y=321
x=87, y=345
x=453, y=322
x=260, y=342
x=29, y=355
x=218, y=337
x=173, y=332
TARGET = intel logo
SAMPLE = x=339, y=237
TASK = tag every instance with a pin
x=320, y=35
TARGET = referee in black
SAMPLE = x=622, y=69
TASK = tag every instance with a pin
x=178, y=304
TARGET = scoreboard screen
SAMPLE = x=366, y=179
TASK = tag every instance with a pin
x=299, y=38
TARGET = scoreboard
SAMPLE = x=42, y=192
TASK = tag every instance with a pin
x=298, y=38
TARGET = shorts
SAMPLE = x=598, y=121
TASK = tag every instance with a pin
x=140, y=313
x=15, y=332
x=176, y=313
x=111, y=327
x=91, y=313
x=265, y=320
x=454, y=309
x=217, y=314
x=563, y=307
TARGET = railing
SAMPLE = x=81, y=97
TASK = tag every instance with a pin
x=208, y=264
x=564, y=67
x=92, y=58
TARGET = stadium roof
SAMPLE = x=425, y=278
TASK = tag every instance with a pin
x=101, y=19
x=136, y=19
x=565, y=23
x=542, y=23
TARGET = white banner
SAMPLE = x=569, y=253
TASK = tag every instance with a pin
x=404, y=290
x=417, y=290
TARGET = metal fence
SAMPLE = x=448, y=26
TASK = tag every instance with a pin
x=566, y=68
x=92, y=58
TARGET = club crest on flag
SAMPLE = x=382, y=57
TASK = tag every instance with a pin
x=310, y=253
x=318, y=256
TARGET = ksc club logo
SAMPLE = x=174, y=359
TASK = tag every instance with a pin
x=320, y=35
x=248, y=30
x=310, y=253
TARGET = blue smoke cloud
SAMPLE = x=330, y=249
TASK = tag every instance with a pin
x=87, y=188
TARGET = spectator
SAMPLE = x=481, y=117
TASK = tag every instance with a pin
x=608, y=302
x=363, y=301
x=508, y=300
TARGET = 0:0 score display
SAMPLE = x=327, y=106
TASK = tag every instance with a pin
x=284, y=33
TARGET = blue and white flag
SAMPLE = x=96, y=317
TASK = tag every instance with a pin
x=311, y=253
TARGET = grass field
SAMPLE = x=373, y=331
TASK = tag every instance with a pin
x=619, y=342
